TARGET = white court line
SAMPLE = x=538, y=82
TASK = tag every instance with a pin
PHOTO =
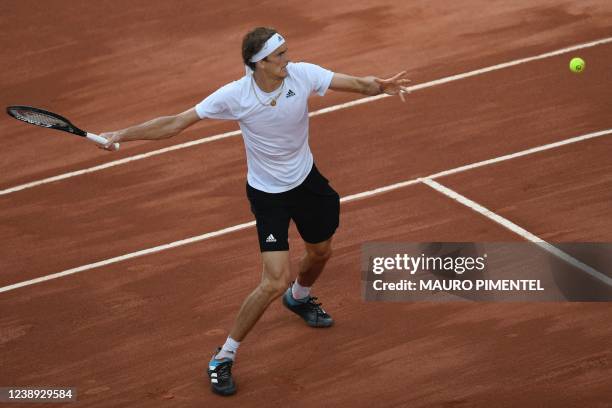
x=118, y=162
x=518, y=230
x=311, y=114
x=480, y=164
x=130, y=256
x=343, y=199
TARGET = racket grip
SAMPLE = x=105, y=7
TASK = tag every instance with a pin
x=101, y=141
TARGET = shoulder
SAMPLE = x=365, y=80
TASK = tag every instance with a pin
x=303, y=68
x=233, y=89
x=314, y=76
x=231, y=94
x=224, y=103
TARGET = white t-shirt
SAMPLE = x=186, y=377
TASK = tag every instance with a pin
x=275, y=137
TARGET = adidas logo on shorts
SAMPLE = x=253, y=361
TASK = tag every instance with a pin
x=270, y=238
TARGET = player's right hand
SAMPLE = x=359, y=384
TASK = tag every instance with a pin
x=112, y=138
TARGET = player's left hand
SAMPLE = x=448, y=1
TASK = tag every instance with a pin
x=395, y=85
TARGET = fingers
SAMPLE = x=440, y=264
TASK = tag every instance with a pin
x=111, y=139
x=396, y=85
x=113, y=147
x=403, y=91
x=110, y=146
x=107, y=147
x=398, y=76
x=394, y=81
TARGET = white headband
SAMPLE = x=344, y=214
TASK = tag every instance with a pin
x=273, y=43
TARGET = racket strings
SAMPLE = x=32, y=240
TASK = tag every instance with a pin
x=39, y=119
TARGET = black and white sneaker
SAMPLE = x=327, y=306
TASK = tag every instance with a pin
x=220, y=375
x=308, y=309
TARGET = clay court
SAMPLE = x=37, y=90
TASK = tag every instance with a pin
x=137, y=331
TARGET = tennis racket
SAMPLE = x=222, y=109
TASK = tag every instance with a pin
x=43, y=118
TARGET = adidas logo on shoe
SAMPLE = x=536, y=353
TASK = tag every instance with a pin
x=290, y=94
x=270, y=238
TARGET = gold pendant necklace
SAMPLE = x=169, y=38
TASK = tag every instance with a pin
x=273, y=101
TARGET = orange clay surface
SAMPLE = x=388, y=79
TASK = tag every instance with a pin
x=139, y=333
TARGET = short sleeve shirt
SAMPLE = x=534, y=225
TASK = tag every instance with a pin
x=275, y=137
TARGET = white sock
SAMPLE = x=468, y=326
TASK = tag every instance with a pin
x=229, y=349
x=298, y=291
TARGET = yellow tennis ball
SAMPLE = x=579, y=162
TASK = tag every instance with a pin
x=577, y=65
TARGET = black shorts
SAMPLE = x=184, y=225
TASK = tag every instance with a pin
x=314, y=206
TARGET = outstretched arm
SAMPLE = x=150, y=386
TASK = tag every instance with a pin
x=371, y=85
x=155, y=129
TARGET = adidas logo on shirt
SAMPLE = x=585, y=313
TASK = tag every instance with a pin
x=270, y=238
x=290, y=94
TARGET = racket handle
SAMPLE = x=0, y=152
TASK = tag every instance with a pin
x=101, y=141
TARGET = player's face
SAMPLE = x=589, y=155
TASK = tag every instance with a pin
x=276, y=64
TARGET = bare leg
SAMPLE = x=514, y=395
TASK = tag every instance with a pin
x=274, y=281
x=313, y=262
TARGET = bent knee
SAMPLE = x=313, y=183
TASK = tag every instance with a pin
x=319, y=254
x=274, y=284
x=274, y=288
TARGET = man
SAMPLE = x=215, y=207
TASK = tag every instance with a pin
x=271, y=105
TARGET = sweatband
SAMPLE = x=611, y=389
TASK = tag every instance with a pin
x=273, y=43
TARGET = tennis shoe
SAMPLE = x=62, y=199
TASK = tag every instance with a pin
x=308, y=309
x=220, y=375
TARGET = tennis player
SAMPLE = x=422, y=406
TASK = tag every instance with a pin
x=271, y=105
